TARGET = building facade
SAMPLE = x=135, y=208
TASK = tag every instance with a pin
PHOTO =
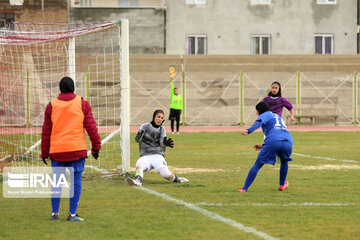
x=146, y=20
x=261, y=27
x=250, y=27
x=32, y=11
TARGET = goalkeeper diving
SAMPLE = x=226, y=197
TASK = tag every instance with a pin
x=152, y=146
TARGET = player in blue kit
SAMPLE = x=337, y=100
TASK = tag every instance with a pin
x=278, y=141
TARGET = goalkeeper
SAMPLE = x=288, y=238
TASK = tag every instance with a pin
x=63, y=140
x=152, y=144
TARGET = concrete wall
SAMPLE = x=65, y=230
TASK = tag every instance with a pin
x=30, y=11
x=147, y=25
x=292, y=24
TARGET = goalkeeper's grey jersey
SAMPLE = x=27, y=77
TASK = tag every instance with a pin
x=153, y=140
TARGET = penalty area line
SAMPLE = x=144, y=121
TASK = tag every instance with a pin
x=305, y=204
x=212, y=215
x=325, y=158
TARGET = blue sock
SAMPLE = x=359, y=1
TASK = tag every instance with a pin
x=283, y=172
x=56, y=191
x=74, y=201
x=252, y=174
x=55, y=203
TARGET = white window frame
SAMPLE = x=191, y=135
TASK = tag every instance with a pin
x=261, y=2
x=323, y=43
x=326, y=1
x=86, y=3
x=129, y=5
x=260, y=42
x=195, y=1
x=196, y=43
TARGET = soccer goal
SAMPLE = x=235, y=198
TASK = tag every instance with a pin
x=33, y=59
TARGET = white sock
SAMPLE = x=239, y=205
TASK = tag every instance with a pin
x=73, y=215
x=54, y=213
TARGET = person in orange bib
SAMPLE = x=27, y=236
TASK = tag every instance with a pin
x=63, y=140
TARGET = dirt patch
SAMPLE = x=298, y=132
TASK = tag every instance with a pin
x=325, y=167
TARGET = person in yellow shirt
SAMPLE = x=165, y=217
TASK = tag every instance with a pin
x=176, y=106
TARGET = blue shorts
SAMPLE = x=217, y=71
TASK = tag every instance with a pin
x=78, y=165
x=269, y=151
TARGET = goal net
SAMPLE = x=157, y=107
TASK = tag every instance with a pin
x=33, y=59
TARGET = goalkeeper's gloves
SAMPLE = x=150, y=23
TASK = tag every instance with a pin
x=139, y=136
x=44, y=161
x=169, y=142
x=95, y=153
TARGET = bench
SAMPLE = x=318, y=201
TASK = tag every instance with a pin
x=315, y=112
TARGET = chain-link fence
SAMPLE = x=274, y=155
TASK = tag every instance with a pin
x=222, y=94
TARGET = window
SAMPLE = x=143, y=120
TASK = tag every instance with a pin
x=5, y=19
x=86, y=3
x=196, y=44
x=326, y=1
x=261, y=44
x=260, y=1
x=195, y=1
x=128, y=3
x=324, y=44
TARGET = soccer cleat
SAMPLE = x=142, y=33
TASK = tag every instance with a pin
x=182, y=179
x=177, y=133
x=76, y=218
x=282, y=188
x=54, y=216
x=241, y=190
x=134, y=182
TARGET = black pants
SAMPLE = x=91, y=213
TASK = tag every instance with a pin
x=175, y=115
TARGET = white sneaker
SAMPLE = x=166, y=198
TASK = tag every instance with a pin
x=182, y=179
x=134, y=182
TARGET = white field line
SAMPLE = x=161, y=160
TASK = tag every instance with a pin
x=96, y=168
x=272, y=204
x=221, y=153
x=325, y=158
x=212, y=215
x=250, y=153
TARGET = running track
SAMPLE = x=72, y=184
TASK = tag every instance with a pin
x=192, y=129
x=292, y=128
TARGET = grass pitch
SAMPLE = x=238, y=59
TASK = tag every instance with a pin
x=322, y=202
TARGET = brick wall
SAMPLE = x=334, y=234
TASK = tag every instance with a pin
x=54, y=10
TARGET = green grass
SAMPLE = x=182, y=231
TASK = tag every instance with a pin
x=114, y=210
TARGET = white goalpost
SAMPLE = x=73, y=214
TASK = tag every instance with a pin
x=33, y=59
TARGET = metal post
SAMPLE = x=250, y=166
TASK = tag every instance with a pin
x=355, y=99
x=183, y=89
x=298, y=101
x=71, y=60
x=183, y=92
x=42, y=11
x=125, y=94
x=241, y=98
x=87, y=85
x=27, y=100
